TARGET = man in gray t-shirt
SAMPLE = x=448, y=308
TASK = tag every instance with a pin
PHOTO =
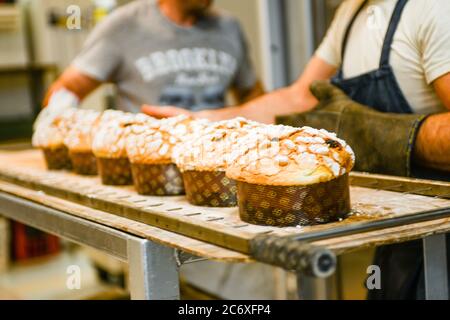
x=166, y=52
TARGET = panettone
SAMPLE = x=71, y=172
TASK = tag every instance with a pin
x=109, y=146
x=291, y=176
x=79, y=141
x=110, y=134
x=49, y=137
x=149, y=148
x=203, y=158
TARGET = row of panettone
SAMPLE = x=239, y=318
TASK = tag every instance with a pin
x=278, y=175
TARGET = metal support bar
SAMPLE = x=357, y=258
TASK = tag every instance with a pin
x=298, y=19
x=81, y=231
x=153, y=271
x=294, y=255
x=435, y=265
x=313, y=288
x=273, y=43
x=361, y=227
x=182, y=257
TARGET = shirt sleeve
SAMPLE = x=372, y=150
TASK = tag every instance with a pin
x=100, y=55
x=434, y=39
x=245, y=76
x=331, y=45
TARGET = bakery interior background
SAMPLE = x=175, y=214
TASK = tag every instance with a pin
x=36, y=45
x=40, y=38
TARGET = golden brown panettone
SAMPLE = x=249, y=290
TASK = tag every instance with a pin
x=109, y=146
x=289, y=176
x=203, y=158
x=49, y=137
x=79, y=141
x=149, y=148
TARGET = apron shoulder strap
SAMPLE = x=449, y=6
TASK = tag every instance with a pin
x=389, y=38
x=347, y=33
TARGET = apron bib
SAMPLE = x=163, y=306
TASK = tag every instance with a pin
x=401, y=264
x=379, y=88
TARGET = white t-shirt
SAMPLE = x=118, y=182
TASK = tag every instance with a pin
x=420, y=52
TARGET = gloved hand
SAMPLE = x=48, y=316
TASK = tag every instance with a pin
x=59, y=102
x=382, y=142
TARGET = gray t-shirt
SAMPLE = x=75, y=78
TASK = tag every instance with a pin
x=152, y=60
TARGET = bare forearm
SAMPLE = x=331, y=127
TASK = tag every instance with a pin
x=287, y=100
x=432, y=148
x=292, y=99
x=263, y=109
x=74, y=81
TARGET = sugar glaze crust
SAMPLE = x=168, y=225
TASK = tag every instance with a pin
x=287, y=156
x=152, y=142
x=248, y=151
x=79, y=137
x=50, y=133
x=209, y=147
x=111, y=132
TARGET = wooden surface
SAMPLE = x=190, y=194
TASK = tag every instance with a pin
x=218, y=226
x=164, y=237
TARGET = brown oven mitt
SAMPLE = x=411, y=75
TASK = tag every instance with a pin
x=382, y=142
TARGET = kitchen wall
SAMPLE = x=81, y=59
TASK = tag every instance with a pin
x=247, y=11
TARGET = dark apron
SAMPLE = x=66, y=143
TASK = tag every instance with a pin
x=401, y=264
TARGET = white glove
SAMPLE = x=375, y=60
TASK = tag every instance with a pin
x=60, y=101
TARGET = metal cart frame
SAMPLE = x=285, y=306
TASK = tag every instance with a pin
x=153, y=268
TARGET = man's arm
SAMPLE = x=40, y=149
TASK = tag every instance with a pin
x=74, y=81
x=432, y=148
x=295, y=98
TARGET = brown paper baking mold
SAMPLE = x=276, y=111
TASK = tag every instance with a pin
x=57, y=158
x=115, y=171
x=284, y=206
x=84, y=163
x=157, y=179
x=209, y=189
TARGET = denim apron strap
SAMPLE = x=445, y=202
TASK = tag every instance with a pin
x=389, y=38
x=347, y=34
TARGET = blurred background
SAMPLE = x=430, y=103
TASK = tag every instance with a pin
x=35, y=46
